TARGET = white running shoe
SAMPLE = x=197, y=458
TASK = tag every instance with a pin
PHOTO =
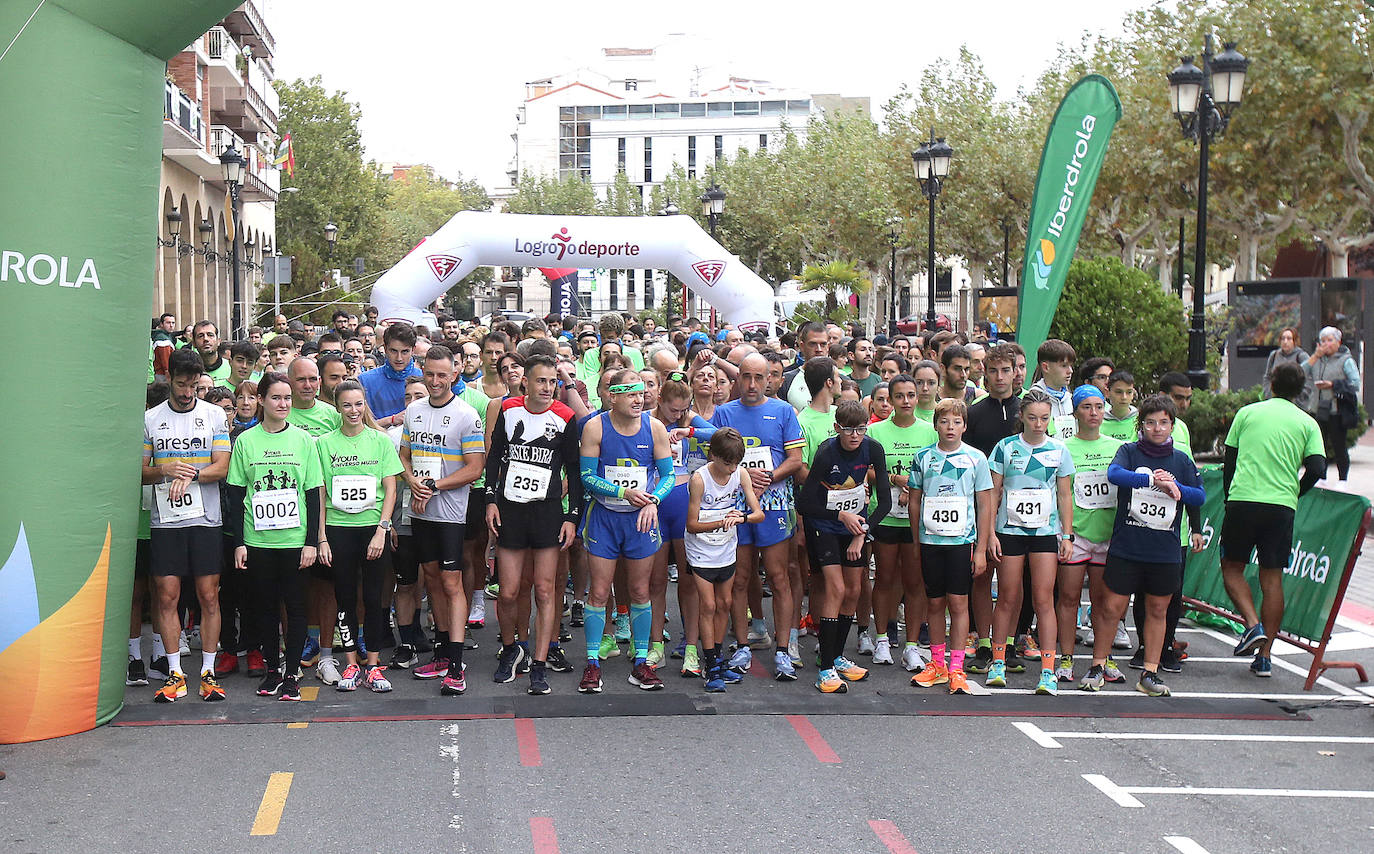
x=882, y=652
x=1122, y=640
x=1088, y=636
x=912, y=659
x=866, y=646
x=478, y=612
x=184, y=648
x=759, y=640
x=327, y=671
x=794, y=653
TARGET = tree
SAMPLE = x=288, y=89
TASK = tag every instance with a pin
x=1109, y=309
x=331, y=184
x=420, y=204
x=540, y=194
x=830, y=278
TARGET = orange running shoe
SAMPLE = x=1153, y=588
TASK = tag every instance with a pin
x=210, y=689
x=172, y=690
x=849, y=670
x=808, y=625
x=932, y=675
x=958, y=684
x=829, y=682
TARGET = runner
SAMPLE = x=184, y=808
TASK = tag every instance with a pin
x=205, y=338
x=1266, y=445
x=813, y=342
x=1094, y=500
x=861, y=364
x=897, y=563
x=274, y=474
x=951, y=490
x=1119, y=421
x=880, y=403
x=404, y=563
x=1055, y=369
x=834, y=508
x=443, y=450
x=773, y=453
x=386, y=383
x=308, y=412
x=1152, y=476
x=359, y=466
x=956, y=384
x=533, y=450
x=185, y=455
x=714, y=493
x=1030, y=479
x=926, y=375
x=620, y=449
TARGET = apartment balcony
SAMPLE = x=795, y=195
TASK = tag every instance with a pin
x=222, y=137
x=183, y=133
x=222, y=58
x=247, y=25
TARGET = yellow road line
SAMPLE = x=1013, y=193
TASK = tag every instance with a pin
x=273, y=802
x=310, y=692
x=297, y=726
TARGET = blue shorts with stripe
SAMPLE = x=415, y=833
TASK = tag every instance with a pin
x=610, y=535
x=775, y=528
x=672, y=514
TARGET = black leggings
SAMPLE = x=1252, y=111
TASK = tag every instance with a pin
x=348, y=546
x=1333, y=436
x=277, y=581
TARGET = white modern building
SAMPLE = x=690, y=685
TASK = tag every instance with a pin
x=642, y=112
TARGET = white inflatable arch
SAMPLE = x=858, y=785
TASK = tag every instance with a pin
x=476, y=239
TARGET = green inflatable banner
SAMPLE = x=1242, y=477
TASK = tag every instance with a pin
x=81, y=83
x=1074, y=150
x=1323, y=531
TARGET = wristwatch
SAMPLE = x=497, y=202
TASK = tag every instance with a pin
x=429, y=482
x=195, y=478
x=385, y=524
x=1067, y=537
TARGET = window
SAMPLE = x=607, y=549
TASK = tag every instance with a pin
x=588, y=113
x=648, y=158
x=693, y=111
x=648, y=288
x=567, y=114
x=615, y=296
x=641, y=111
x=631, y=85
x=630, y=289
x=615, y=112
x=720, y=146
x=746, y=108
x=574, y=146
x=769, y=108
x=691, y=156
x=620, y=155
x=661, y=110
x=720, y=109
x=798, y=108
x=763, y=142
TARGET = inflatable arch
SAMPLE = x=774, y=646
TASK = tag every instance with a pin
x=475, y=239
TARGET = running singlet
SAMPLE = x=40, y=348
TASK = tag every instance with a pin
x=690, y=454
x=184, y=437
x=816, y=428
x=949, y=482
x=439, y=439
x=626, y=461
x=531, y=454
x=276, y=469
x=1094, y=498
x=715, y=549
x=836, y=485
x=1030, y=504
x=900, y=445
x=353, y=468
x=317, y=420
x=770, y=430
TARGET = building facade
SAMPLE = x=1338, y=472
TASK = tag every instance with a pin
x=218, y=94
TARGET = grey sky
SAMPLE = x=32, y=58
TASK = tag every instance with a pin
x=439, y=82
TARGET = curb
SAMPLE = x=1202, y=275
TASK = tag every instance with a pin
x=1357, y=612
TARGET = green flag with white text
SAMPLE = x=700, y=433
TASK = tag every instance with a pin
x=1075, y=147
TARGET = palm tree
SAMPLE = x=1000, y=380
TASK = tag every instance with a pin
x=830, y=278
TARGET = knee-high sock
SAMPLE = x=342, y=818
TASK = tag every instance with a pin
x=846, y=621
x=592, y=629
x=641, y=625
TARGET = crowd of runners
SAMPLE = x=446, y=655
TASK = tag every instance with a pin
x=332, y=495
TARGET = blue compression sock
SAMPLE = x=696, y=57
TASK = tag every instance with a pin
x=641, y=622
x=593, y=629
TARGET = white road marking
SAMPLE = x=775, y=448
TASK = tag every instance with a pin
x=1185, y=844
x=450, y=752
x=1131, y=693
x=1112, y=790
x=1124, y=796
x=1036, y=734
x=1290, y=667
x=1050, y=739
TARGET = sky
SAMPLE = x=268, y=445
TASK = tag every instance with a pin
x=439, y=82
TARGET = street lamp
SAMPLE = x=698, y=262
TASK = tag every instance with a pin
x=331, y=236
x=931, y=163
x=232, y=164
x=173, y=228
x=893, y=223
x=712, y=206
x=1203, y=99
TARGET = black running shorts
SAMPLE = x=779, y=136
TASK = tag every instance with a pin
x=827, y=549
x=438, y=542
x=947, y=570
x=1125, y=577
x=185, y=552
x=1250, y=526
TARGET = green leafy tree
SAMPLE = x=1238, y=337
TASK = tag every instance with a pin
x=419, y=205
x=830, y=278
x=1109, y=309
x=540, y=194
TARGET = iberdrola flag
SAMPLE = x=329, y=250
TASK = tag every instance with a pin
x=1074, y=150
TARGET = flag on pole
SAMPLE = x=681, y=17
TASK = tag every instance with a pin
x=1074, y=150
x=286, y=156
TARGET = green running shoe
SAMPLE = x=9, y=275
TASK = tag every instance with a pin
x=997, y=675
x=1048, y=683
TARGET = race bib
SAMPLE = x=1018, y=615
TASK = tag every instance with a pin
x=276, y=509
x=1065, y=426
x=1092, y=491
x=946, y=515
x=427, y=467
x=898, y=511
x=1029, y=508
x=188, y=506
x=526, y=483
x=715, y=538
x=1153, y=509
x=630, y=477
x=846, y=500
x=353, y=493
x=759, y=457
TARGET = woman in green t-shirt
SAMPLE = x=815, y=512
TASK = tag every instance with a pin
x=274, y=514
x=359, y=465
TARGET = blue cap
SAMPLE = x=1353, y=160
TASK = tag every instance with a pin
x=697, y=336
x=1086, y=391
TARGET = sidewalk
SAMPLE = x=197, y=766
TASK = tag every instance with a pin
x=1359, y=596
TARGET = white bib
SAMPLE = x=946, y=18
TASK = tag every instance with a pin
x=898, y=511
x=276, y=509
x=1092, y=490
x=427, y=467
x=849, y=500
x=1153, y=509
x=526, y=483
x=1029, y=508
x=715, y=538
x=945, y=515
x=353, y=493
x=630, y=477
x=189, y=506
x=759, y=457
x=1065, y=426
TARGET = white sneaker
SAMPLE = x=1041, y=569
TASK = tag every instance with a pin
x=759, y=640
x=794, y=653
x=1122, y=640
x=478, y=612
x=865, y=643
x=185, y=648
x=912, y=659
x=882, y=652
x=1088, y=636
x=327, y=671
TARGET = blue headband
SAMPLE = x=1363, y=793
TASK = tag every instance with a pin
x=1084, y=392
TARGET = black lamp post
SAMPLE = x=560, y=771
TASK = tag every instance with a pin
x=712, y=206
x=232, y=164
x=331, y=236
x=931, y=162
x=893, y=223
x=1203, y=99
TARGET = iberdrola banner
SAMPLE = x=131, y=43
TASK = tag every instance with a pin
x=1074, y=150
